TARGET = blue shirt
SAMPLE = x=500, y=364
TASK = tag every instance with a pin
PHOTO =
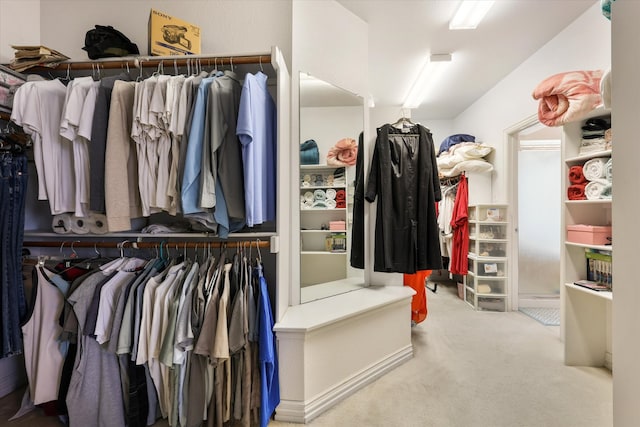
x=256, y=130
x=269, y=382
x=192, y=165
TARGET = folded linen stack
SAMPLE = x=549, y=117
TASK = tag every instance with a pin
x=596, y=135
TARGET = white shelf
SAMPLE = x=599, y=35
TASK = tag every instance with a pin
x=587, y=156
x=608, y=295
x=588, y=202
x=322, y=253
x=137, y=235
x=584, y=245
x=320, y=167
x=315, y=187
x=323, y=231
x=586, y=314
x=323, y=209
x=487, y=222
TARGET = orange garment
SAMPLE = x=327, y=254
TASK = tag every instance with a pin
x=418, y=282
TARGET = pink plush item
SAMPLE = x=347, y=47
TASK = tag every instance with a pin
x=343, y=153
x=566, y=97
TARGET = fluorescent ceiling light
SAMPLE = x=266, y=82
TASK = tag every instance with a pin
x=469, y=14
x=427, y=79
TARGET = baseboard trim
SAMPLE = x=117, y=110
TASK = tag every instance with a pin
x=303, y=412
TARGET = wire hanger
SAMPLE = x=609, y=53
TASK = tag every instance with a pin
x=403, y=121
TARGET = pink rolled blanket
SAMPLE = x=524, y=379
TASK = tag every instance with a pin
x=566, y=97
x=343, y=153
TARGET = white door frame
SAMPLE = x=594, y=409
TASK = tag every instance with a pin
x=511, y=141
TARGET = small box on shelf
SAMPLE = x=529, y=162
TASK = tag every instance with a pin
x=589, y=234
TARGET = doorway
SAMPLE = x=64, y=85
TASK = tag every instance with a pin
x=535, y=171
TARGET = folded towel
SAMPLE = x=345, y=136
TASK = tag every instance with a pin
x=319, y=195
x=331, y=204
x=592, y=145
x=576, y=176
x=576, y=192
x=331, y=193
x=608, y=170
x=340, y=195
x=598, y=189
x=594, y=169
x=566, y=97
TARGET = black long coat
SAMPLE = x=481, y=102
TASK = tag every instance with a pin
x=404, y=178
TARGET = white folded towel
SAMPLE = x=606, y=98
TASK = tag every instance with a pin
x=608, y=170
x=594, y=169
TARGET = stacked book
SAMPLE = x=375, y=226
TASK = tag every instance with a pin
x=27, y=57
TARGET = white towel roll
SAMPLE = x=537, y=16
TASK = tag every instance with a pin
x=331, y=193
x=331, y=203
x=598, y=189
x=594, y=169
x=608, y=170
x=308, y=196
x=97, y=223
x=61, y=223
x=79, y=225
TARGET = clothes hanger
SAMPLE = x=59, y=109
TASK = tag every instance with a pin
x=403, y=121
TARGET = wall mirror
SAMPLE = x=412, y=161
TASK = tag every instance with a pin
x=331, y=119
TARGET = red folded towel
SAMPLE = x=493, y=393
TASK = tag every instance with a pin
x=340, y=195
x=576, y=192
x=576, y=175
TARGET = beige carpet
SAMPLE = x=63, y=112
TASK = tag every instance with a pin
x=479, y=369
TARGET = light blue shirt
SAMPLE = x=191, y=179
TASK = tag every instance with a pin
x=193, y=166
x=256, y=130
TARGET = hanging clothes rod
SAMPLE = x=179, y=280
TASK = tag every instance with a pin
x=141, y=245
x=155, y=61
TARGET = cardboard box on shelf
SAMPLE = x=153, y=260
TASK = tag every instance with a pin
x=169, y=36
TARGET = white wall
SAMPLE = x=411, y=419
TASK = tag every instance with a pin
x=15, y=31
x=328, y=125
x=228, y=27
x=583, y=45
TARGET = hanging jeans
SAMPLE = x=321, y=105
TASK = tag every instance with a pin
x=13, y=181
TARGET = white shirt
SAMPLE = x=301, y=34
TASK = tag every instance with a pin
x=54, y=159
